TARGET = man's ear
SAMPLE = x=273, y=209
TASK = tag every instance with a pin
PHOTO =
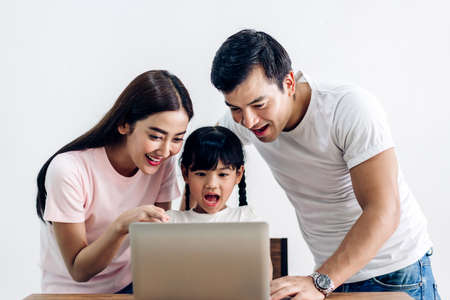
x=184, y=172
x=239, y=173
x=124, y=128
x=289, y=83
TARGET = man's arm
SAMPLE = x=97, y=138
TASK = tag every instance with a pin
x=376, y=189
x=375, y=186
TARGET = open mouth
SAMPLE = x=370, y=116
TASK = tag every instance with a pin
x=153, y=161
x=211, y=199
x=260, y=131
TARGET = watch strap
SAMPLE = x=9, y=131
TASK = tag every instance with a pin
x=326, y=291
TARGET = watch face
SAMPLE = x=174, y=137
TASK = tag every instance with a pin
x=323, y=281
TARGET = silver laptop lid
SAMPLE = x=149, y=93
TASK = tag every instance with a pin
x=210, y=261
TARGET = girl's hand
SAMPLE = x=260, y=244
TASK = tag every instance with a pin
x=145, y=213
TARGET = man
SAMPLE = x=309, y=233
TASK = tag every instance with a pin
x=330, y=149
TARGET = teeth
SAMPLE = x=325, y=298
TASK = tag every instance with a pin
x=260, y=128
x=151, y=158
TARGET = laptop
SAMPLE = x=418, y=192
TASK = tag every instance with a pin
x=202, y=261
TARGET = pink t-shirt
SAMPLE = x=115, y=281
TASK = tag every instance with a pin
x=83, y=186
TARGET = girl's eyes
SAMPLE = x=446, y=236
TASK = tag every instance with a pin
x=201, y=174
x=178, y=140
x=234, y=108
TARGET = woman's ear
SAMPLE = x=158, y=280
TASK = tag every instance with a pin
x=239, y=173
x=124, y=128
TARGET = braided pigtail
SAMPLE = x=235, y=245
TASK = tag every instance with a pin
x=187, y=193
x=242, y=191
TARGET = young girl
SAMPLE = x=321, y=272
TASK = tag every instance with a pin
x=212, y=163
x=119, y=172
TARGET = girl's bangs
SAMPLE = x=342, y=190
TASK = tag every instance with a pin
x=208, y=155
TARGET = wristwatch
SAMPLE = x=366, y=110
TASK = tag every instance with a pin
x=323, y=283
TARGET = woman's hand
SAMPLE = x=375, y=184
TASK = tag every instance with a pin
x=145, y=213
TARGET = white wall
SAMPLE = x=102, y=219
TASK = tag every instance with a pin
x=63, y=63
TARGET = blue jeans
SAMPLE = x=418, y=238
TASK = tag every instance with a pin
x=416, y=279
x=126, y=290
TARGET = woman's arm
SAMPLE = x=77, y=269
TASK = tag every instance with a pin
x=84, y=260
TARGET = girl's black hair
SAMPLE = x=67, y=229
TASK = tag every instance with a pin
x=203, y=150
x=149, y=93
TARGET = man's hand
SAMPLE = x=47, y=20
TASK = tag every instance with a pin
x=298, y=287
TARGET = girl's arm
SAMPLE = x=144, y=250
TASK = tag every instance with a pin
x=84, y=260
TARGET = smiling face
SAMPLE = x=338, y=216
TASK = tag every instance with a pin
x=259, y=105
x=151, y=141
x=212, y=188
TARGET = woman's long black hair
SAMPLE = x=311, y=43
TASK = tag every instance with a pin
x=149, y=93
x=203, y=150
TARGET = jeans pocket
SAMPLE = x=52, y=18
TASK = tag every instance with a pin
x=408, y=278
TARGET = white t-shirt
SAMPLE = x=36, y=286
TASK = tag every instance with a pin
x=228, y=214
x=83, y=186
x=343, y=127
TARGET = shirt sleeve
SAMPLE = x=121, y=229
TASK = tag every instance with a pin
x=243, y=133
x=249, y=215
x=65, y=200
x=169, y=188
x=361, y=127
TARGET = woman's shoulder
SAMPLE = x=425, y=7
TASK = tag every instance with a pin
x=73, y=162
x=76, y=157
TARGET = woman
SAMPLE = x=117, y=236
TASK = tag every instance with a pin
x=119, y=172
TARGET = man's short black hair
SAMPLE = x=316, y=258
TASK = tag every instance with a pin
x=244, y=50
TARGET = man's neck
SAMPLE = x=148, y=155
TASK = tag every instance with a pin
x=300, y=104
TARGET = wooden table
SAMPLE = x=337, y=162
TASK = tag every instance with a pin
x=336, y=296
